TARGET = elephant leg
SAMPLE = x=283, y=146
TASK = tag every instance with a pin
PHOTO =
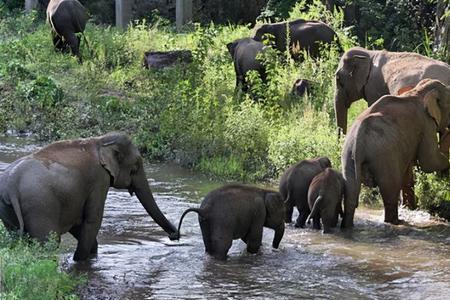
x=221, y=242
x=75, y=231
x=390, y=191
x=206, y=234
x=304, y=211
x=316, y=222
x=289, y=212
x=93, y=214
x=409, y=198
x=352, y=190
x=74, y=43
x=254, y=238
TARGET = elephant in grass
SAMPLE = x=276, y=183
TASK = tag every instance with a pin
x=66, y=18
x=325, y=196
x=238, y=211
x=244, y=53
x=388, y=136
x=367, y=74
x=62, y=188
x=294, y=184
x=303, y=35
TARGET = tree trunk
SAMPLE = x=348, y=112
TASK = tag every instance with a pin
x=441, y=42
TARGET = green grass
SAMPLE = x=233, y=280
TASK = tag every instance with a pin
x=30, y=271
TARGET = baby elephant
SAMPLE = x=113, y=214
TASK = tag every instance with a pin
x=294, y=186
x=325, y=199
x=238, y=211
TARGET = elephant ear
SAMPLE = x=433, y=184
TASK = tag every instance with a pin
x=109, y=158
x=273, y=202
x=357, y=60
x=231, y=48
x=432, y=106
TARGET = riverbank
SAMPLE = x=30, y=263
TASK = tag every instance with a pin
x=190, y=114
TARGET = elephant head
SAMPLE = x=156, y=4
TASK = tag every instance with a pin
x=351, y=77
x=275, y=33
x=436, y=100
x=324, y=162
x=124, y=163
x=275, y=212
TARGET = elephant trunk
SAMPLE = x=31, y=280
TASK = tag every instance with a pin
x=279, y=232
x=141, y=188
x=341, y=108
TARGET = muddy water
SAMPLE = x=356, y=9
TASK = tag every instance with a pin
x=137, y=261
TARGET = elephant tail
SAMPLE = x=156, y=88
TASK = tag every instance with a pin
x=18, y=211
x=316, y=207
x=197, y=210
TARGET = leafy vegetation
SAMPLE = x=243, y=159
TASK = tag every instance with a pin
x=29, y=270
x=190, y=114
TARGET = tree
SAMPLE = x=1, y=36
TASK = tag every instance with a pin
x=441, y=44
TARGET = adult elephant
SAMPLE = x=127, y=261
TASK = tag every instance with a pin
x=367, y=74
x=67, y=17
x=388, y=136
x=62, y=188
x=303, y=35
x=244, y=53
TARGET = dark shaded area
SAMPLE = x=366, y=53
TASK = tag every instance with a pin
x=160, y=59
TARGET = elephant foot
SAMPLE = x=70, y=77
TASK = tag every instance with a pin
x=395, y=221
x=80, y=256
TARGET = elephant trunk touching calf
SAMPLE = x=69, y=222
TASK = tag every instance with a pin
x=62, y=188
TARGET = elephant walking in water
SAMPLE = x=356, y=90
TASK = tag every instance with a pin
x=62, y=188
x=238, y=211
x=369, y=75
x=388, y=136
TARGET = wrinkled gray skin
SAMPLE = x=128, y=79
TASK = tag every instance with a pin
x=238, y=211
x=62, y=188
x=304, y=35
x=67, y=17
x=294, y=184
x=244, y=52
x=390, y=134
x=367, y=74
x=325, y=195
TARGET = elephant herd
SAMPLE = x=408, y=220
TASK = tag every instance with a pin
x=62, y=187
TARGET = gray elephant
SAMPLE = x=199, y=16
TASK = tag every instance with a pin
x=303, y=35
x=66, y=18
x=238, y=211
x=390, y=134
x=301, y=87
x=371, y=74
x=294, y=184
x=325, y=195
x=62, y=188
x=244, y=53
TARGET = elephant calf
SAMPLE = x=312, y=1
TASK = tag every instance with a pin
x=325, y=199
x=238, y=211
x=294, y=186
x=244, y=54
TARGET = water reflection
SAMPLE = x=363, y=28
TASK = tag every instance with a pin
x=137, y=261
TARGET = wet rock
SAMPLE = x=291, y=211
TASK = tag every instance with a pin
x=164, y=59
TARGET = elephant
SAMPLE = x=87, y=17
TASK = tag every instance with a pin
x=66, y=18
x=371, y=74
x=303, y=35
x=388, y=136
x=325, y=195
x=244, y=53
x=301, y=87
x=294, y=184
x=63, y=186
x=238, y=211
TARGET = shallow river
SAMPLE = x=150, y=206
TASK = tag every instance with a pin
x=137, y=261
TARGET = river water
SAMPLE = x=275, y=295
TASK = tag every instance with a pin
x=137, y=261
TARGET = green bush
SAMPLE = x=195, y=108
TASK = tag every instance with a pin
x=29, y=270
x=433, y=194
